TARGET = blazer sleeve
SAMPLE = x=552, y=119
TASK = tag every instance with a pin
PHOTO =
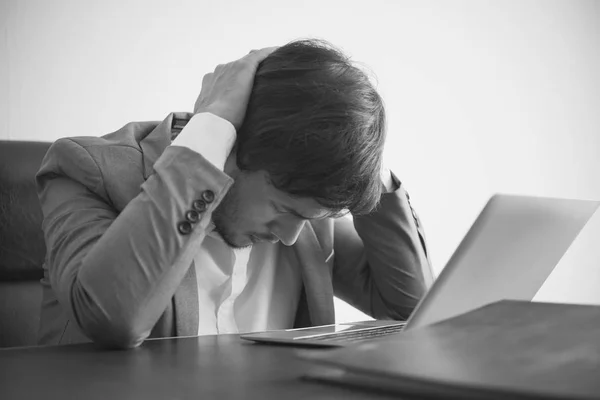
x=381, y=265
x=115, y=273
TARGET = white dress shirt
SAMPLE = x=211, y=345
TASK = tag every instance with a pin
x=239, y=290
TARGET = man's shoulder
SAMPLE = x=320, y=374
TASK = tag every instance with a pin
x=111, y=166
x=127, y=139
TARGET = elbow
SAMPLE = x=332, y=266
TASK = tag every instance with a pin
x=119, y=339
x=123, y=342
x=110, y=329
x=114, y=336
x=400, y=305
x=401, y=313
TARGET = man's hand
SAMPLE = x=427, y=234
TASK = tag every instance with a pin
x=225, y=92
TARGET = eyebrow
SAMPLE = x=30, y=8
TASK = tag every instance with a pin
x=289, y=210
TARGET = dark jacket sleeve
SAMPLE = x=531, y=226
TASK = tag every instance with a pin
x=116, y=272
x=381, y=265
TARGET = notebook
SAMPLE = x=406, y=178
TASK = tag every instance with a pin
x=508, y=349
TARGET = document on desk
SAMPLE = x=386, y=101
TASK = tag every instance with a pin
x=508, y=349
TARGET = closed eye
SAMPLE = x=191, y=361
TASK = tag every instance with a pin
x=286, y=210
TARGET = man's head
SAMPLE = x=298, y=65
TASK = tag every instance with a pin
x=310, y=146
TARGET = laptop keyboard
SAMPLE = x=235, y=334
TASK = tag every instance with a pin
x=353, y=336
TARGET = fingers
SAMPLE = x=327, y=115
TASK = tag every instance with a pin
x=268, y=50
x=256, y=56
x=253, y=58
x=206, y=78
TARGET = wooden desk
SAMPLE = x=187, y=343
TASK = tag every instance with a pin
x=207, y=367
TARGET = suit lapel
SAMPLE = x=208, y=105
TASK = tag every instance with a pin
x=185, y=302
x=302, y=319
x=316, y=277
x=185, y=299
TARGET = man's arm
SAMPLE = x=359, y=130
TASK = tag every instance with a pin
x=116, y=272
x=381, y=264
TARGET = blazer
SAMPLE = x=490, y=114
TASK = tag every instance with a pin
x=117, y=269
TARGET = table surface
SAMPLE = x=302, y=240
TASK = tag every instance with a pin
x=219, y=367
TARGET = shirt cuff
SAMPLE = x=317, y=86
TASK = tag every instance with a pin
x=210, y=136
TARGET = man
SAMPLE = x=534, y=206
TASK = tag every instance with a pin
x=222, y=220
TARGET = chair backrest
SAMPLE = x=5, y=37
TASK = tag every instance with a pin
x=22, y=246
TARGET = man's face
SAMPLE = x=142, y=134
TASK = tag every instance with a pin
x=254, y=211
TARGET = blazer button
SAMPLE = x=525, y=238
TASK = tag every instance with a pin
x=185, y=228
x=208, y=196
x=192, y=216
x=199, y=205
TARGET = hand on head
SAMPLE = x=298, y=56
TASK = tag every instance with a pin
x=225, y=92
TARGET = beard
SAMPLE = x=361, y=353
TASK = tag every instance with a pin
x=226, y=215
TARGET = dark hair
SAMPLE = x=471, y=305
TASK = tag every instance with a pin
x=316, y=125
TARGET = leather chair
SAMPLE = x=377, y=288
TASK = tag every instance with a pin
x=22, y=247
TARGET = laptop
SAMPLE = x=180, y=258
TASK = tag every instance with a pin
x=507, y=254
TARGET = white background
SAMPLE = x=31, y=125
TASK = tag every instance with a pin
x=482, y=96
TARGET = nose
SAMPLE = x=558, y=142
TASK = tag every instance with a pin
x=288, y=232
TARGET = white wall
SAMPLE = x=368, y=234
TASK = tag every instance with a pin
x=482, y=96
